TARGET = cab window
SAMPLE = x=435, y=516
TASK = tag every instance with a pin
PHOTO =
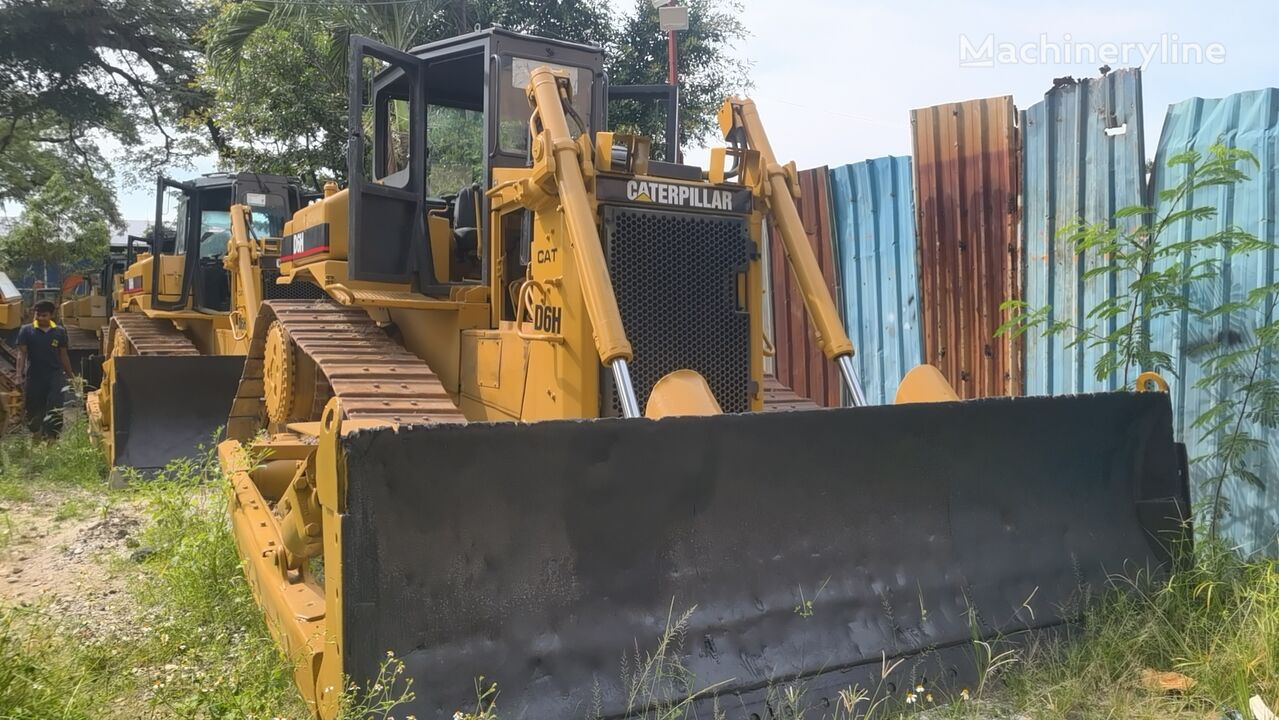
x=215, y=229
x=454, y=146
x=512, y=101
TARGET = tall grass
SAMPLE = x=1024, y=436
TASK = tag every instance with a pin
x=27, y=464
x=1216, y=622
x=197, y=647
x=207, y=645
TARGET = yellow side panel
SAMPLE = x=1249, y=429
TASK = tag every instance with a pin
x=435, y=336
x=171, y=269
x=493, y=381
x=441, y=246
x=488, y=362
x=331, y=210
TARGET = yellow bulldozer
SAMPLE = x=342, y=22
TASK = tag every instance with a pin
x=525, y=430
x=172, y=342
x=87, y=302
x=11, y=316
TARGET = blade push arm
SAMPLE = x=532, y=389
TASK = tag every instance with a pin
x=547, y=94
x=246, y=273
x=740, y=113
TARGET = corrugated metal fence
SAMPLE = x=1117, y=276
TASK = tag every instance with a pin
x=799, y=364
x=1083, y=158
x=1247, y=120
x=874, y=216
x=966, y=187
x=931, y=290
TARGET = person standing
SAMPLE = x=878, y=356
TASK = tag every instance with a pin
x=44, y=367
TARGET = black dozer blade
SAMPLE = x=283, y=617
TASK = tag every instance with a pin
x=165, y=408
x=809, y=546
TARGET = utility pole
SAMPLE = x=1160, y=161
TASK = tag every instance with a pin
x=672, y=18
x=672, y=59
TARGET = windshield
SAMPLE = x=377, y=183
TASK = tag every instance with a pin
x=215, y=230
x=454, y=146
x=512, y=101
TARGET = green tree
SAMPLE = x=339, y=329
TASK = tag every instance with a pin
x=281, y=108
x=73, y=72
x=708, y=72
x=278, y=69
x=56, y=233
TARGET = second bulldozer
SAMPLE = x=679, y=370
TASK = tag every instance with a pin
x=174, y=341
x=10, y=386
x=525, y=434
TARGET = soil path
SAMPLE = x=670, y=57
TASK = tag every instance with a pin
x=70, y=551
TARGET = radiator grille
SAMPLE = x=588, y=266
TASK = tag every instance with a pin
x=675, y=277
x=290, y=291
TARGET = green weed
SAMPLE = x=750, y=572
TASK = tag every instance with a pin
x=27, y=464
x=1217, y=623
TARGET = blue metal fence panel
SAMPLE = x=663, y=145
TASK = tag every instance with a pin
x=1248, y=120
x=874, y=216
x=1083, y=155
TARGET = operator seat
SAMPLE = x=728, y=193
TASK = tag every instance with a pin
x=466, y=220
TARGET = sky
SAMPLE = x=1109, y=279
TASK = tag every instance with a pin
x=835, y=81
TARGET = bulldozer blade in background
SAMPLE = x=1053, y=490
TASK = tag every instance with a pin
x=807, y=544
x=166, y=407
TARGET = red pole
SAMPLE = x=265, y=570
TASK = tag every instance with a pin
x=672, y=77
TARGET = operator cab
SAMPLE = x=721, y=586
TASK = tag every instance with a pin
x=203, y=229
x=445, y=118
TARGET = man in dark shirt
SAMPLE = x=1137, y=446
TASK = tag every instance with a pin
x=44, y=364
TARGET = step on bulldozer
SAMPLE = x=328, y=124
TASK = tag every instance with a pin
x=174, y=341
x=526, y=430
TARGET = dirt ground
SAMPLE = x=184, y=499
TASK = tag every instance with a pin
x=72, y=553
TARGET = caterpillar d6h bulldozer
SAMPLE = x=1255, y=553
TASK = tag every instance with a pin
x=86, y=312
x=173, y=344
x=525, y=431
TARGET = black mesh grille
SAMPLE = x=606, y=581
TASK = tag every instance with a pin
x=291, y=291
x=675, y=276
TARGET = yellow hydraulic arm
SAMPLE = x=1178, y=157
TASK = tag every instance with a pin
x=740, y=113
x=241, y=261
x=559, y=157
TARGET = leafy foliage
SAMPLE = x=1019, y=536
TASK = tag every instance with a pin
x=1159, y=266
x=707, y=71
x=119, y=70
x=277, y=70
x=286, y=113
x=56, y=230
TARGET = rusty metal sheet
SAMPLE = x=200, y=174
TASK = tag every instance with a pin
x=799, y=364
x=966, y=189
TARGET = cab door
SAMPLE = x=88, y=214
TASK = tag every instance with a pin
x=386, y=218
